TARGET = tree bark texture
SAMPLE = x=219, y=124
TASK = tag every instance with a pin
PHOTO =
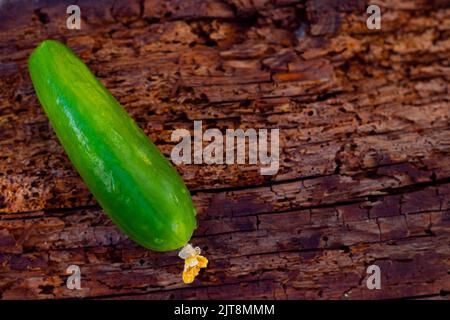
x=364, y=119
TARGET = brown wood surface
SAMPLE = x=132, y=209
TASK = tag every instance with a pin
x=365, y=142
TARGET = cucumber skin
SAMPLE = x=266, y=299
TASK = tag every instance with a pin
x=132, y=181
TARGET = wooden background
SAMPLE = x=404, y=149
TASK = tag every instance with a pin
x=364, y=131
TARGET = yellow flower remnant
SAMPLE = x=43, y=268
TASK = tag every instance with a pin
x=193, y=262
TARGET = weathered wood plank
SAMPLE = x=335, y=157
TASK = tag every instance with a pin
x=364, y=174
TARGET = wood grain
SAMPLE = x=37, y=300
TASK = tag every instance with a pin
x=364, y=162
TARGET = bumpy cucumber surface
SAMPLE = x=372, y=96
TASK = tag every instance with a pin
x=133, y=182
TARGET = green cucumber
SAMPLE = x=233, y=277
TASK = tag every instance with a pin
x=132, y=181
